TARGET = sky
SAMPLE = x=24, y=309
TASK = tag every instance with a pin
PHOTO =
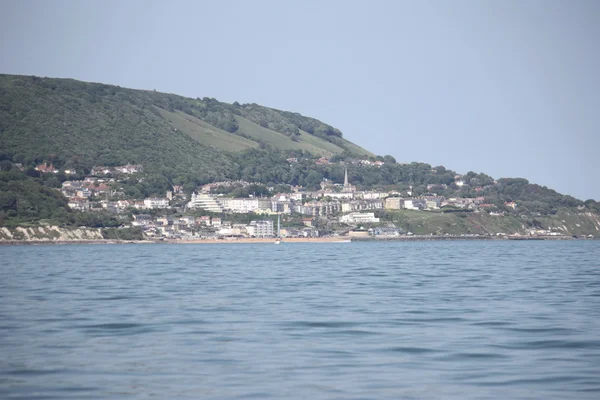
x=509, y=88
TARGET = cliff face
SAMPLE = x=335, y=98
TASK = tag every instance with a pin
x=49, y=233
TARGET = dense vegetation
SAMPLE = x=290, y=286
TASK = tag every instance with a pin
x=78, y=125
x=30, y=199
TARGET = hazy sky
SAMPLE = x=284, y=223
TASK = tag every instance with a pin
x=509, y=88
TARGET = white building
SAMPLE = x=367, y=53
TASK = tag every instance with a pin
x=205, y=202
x=413, y=204
x=337, y=195
x=359, y=218
x=260, y=228
x=371, y=195
x=245, y=205
x=156, y=202
x=80, y=204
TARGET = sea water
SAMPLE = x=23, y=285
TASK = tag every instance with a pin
x=418, y=320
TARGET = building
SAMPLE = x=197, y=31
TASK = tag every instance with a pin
x=142, y=220
x=371, y=195
x=260, y=228
x=348, y=188
x=205, y=202
x=242, y=206
x=129, y=169
x=359, y=205
x=386, y=231
x=414, y=204
x=359, y=218
x=84, y=192
x=79, y=204
x=203, y=220
x=359, y=232
x=156, y=202
x=394, y=203
x=46, y=168
x=187, y=220
x=337, y=195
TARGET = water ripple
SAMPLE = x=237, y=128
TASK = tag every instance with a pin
x=419, y=320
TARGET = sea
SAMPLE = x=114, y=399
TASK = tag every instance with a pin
x=394, y=320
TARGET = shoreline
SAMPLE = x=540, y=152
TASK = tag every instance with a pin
x=328, y=239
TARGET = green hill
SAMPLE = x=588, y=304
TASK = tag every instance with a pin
x=80, y=124
x=190, y=142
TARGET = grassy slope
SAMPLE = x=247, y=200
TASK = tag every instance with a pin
x=280, y=141
x=424, y=222
x=206, y=133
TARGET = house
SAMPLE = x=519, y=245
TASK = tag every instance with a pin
x=46, y=168
x=164, y=221
x=203, y=220
x=433, y=202
x=307, y=221
x=511, y=204
x=101, y=188
x=187, y=220
x=129, y=169
x=177, y=189
x=216, y=222
x=79, y=203
x=101, y=170
x=322, y=161
x=308, y=232
x=84, y=192
x=125, y=203
x=142, y=220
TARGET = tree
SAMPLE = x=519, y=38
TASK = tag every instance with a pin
x=389, y=159
x=5, y=165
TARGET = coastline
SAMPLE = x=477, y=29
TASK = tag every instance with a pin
x=338, y=239
x=328, y=239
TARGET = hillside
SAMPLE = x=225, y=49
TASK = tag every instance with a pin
x=191, y=142
x=79, y=124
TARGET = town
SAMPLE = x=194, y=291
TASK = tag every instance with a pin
x=211, y=212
